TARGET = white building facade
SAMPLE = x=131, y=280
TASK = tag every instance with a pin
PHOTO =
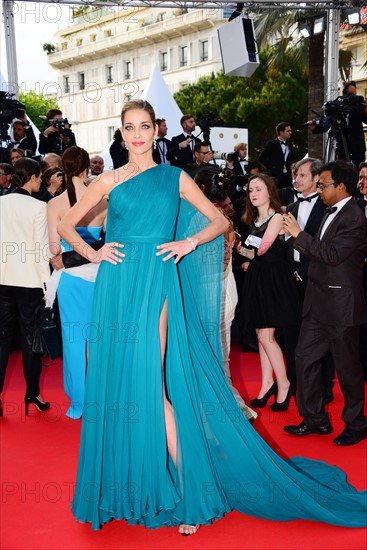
x=106, y=56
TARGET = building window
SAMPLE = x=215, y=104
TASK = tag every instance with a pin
x=204, y=51
x=110, y=133
x=93, y=37
x=183, y=56
x=81, y=79
x=108, y=33
x=79, y=41
x=127, y=70
x=109, y=74
x=66, y=85
x=164, y=61
x=64, y=45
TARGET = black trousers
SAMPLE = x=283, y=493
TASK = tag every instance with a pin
x=20, y=302
x=314, y=341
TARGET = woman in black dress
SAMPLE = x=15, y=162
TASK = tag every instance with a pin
x=270, y=296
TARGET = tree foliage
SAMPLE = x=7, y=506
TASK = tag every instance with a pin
x=258, y=103
x=36, y=106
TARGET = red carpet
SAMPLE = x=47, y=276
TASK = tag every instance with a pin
x=38, y=463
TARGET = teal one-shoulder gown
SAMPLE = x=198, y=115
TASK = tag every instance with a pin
x=124, y=469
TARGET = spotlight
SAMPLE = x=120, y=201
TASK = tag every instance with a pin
x=305, y=30
x=319, y=25
x=354, y=16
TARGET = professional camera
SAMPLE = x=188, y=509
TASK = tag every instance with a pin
x=10, y=108
x=209, y=120
x=60, y=124
x=343, y=106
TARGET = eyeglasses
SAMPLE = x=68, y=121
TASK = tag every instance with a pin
x=322, y=187
x=203, y=152
x=4, y=174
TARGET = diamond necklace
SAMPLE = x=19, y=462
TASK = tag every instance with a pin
x=259, y=223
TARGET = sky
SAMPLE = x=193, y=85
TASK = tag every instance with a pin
x=35, y=24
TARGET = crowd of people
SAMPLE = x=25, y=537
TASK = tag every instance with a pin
x=131, y=254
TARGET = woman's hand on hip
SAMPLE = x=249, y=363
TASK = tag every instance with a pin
x=175, y=249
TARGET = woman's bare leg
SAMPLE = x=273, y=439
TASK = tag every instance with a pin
x=276, y=360
x=266, y=370
x=168, y=410
x=169, y=417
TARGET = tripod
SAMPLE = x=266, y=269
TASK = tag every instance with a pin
x=336, y=146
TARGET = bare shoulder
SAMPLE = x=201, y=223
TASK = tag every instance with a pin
x=59, y=203
x=276, y=219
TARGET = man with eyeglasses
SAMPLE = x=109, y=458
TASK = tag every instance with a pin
x=334, y=307
x=203, y=155
x=6, y=172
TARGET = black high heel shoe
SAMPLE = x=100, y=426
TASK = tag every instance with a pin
x=37, y=403
x=260, y=403
x=278, y=407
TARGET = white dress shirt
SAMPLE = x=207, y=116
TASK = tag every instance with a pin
x=339, y=205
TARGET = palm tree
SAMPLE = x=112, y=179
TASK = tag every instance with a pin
x=280, y=27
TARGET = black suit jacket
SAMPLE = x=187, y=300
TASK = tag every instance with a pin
x=237, y=166
x=311, y=228
x=272, y=158
x=168, y=145
x=29, y=142
x=334, y=291
x=180, y=157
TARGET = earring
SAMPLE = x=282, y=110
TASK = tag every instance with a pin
x=154, y=143
x=125, y=144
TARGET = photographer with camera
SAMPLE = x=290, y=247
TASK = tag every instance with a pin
x=203, y=155
x=343, y=120
x=23, y=136
x=57, y=137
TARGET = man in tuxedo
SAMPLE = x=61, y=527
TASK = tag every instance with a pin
x=23, y=136
x=278, y=157
x=334, y=306
x=309, y=210
x=181, y=151
x=240, y=161
x=163, y=144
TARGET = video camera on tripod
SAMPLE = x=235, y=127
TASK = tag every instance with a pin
x=335, y=123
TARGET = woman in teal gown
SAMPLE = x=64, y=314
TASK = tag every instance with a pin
x=163, y=441
x=75, y=286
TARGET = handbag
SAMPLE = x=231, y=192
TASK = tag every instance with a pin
x=46, y=333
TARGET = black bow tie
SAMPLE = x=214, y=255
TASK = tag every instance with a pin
x=242, y=160
x=330, y=209
x=307, y=199
x=282, y=142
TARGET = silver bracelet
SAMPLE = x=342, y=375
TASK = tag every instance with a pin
x=191, y=242
x=243, y=251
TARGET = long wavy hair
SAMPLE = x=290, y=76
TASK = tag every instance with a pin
x=251, y=212
x=74, y=161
